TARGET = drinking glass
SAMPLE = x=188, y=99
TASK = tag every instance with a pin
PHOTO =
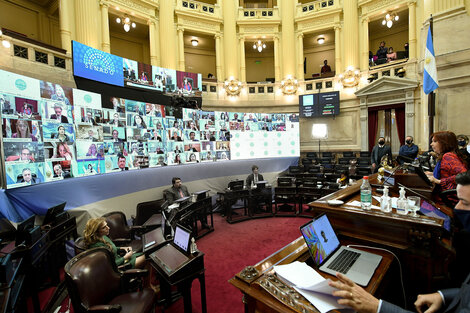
x=413, y=204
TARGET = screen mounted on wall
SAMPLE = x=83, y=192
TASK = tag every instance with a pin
x=319, y=104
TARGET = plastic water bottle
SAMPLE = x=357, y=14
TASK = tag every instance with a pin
x=385, y=201
x=366, y=194
x=402, y=203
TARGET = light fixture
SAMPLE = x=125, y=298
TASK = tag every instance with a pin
x=289, y=85
x=389, y=19
x=259, y=45
x=126, y=23
x=6, y=43
x=194, y=42
x=232, y=86
x=321, y=40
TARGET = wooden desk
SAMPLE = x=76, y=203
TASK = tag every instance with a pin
x=264, y=293
x=421, y=243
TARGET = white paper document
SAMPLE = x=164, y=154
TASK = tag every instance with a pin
x=310, y=284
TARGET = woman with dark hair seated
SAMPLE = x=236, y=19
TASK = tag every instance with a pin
x=450, y=161
x=96, y=235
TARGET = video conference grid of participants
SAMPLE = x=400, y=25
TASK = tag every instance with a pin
x=64, y=132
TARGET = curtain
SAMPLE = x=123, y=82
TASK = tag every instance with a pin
x=373, y=120
x=400, y=115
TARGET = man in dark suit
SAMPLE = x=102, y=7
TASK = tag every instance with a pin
x=447, y=300
x=177, y=191
x=58, y=114
x=379, y=151
x=116, y=136
x=254, y=177
x=58, y=172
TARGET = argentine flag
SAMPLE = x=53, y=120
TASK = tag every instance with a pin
x=430, y=73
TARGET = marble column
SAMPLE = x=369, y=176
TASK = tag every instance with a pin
x=105, y=43
x=242, y=59
x=338, y=65
x=365, y=44
x=230, y=9
x=288, y=38
x=153, y=41
x=412, y=46
x=277, y=67
x=351, y=34
x=300, y=56
x=65, y=8
x=167, y=34
x=218, y=57
x=86, y=23
x=181, y=63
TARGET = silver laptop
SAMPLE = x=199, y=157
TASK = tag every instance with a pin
x=331, y=257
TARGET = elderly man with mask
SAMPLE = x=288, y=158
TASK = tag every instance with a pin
x=408, y=152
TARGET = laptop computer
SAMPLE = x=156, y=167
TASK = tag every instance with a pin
x=331, y=257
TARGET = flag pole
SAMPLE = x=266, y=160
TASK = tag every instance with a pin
x=431, y=97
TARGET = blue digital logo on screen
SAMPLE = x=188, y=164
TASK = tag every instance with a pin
x=97, y=65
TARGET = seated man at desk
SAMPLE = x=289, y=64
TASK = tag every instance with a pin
x=447, y=300
x=254, y=177
x=178, y=191
x=257, y=196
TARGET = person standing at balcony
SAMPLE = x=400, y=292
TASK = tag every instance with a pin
x=325, y=68
x=382, y=53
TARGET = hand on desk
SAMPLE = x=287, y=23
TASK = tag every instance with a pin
x=431, y=177
x=353, y=295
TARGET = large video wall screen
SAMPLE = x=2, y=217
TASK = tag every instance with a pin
x=51, y=132
x=107, y=68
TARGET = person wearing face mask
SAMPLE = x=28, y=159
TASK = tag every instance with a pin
x=462, y=141
x=445, y=300
x=378, y=152
x=408, y=152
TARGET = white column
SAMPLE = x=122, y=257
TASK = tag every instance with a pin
x=351, y=34
x=338, y=65
x=365, y=44
x=412, y=30
x=153, y=40
x=218, y=57
x=277, y=69
x=300, y=56
x=65, y=27
x=105, y=42
x=181, y=48
x=242, y=59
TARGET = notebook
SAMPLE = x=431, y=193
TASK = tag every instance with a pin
x=331, y=257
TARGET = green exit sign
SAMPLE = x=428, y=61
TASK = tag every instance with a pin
x=257, y=62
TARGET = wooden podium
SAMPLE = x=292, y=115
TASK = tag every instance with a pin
x=263, y=292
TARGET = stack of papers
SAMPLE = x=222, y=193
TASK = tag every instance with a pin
x=310, y=284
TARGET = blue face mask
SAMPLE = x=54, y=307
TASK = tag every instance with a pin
x=463, y=216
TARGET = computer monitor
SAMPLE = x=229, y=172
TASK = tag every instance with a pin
x=201, y=195
x=235, y=185
x=53, y=213
x=261, y=184
x=182, y=200
x=26, y=225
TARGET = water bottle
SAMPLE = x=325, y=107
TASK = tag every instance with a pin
x=385, y=201
x=402, y=203
x=415, y=162
x=366, y=194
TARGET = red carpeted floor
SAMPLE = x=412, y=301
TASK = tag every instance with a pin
x=229, y=249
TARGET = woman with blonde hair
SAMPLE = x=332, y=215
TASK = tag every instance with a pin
x=23, y=131
x=96, y=235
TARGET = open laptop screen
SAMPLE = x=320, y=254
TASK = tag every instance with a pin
x=320, y=238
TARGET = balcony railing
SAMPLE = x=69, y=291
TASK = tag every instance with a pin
x=245, y=14
x=316, y=6
x=199, y=7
